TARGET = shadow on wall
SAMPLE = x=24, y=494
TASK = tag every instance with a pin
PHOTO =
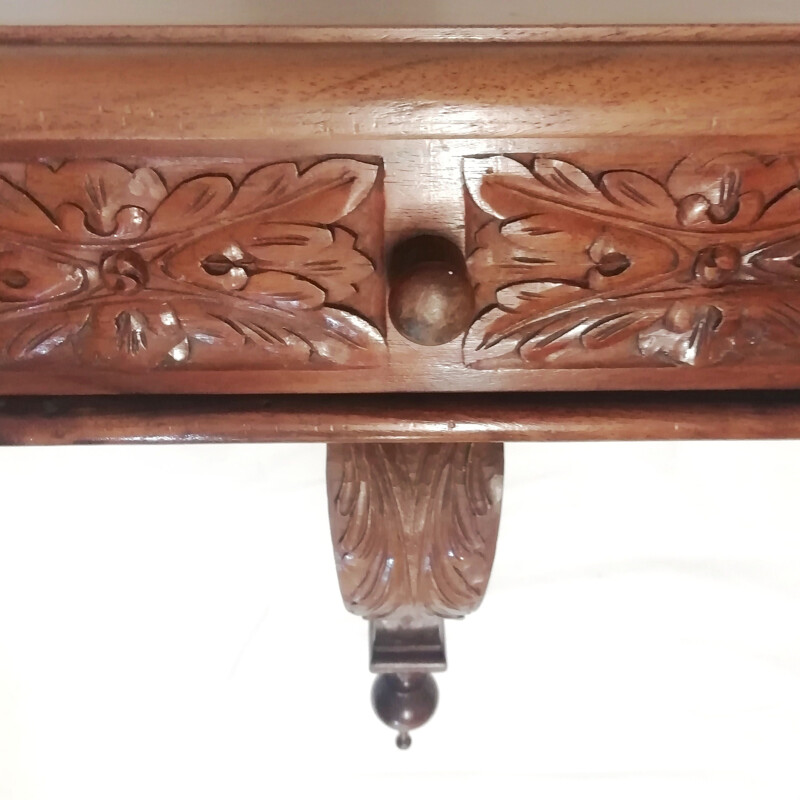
x=383, y=12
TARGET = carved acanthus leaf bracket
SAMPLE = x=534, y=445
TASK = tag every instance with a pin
x=414, y=526
x=414, y=533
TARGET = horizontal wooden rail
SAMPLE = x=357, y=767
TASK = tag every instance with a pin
x=424, y=418
x=376, y=90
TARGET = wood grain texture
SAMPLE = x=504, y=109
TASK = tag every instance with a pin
x=290, y=92
x=180, y=264
x=414, y=527
x=509, y=417
x=693, y=263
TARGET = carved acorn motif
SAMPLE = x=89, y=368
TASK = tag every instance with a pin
x=609, y=258
x=730, y=189
x=717, y=265
x=683, y=315
x=686, y=334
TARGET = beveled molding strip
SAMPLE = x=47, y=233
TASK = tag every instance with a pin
x=340, y=34
x=509, y=417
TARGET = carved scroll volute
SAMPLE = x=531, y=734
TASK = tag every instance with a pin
x=414, y=533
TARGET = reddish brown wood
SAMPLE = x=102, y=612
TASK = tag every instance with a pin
x=691, y=294
x=395, y=91
x=187, y=264
x=688, y=264
x=414, y=531
x=431, y=299
x=599, y=416
x=414, y=526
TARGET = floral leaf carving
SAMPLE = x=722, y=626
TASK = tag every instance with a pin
x=324, y=193
x=556, y=325
x=192, y=203
x=516, y=306
x=727, y=192
x=724, y=329
x=504, y=188
x=459, y=523
x=133, y=336
x=565, y=245
x=638, y=195
x=247, y=242
x=730, y=190
x=261, y=336
x=493, y=184
x=326, y=256
x=619, y=269
x=329, y=191
x=133, y=267
x=96, y=198
x=242, y=257
x=206, y=333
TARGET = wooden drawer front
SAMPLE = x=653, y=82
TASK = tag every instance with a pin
x=672, y=259
x=183, y=264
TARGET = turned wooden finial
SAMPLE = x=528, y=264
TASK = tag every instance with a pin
x=431, y=299
x=404, y=701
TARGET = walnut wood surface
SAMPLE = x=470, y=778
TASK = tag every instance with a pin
x=510, y=417
x=638, y=229
x=414, y=527
x=402, y=90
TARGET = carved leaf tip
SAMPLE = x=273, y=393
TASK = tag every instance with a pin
x=479, y=174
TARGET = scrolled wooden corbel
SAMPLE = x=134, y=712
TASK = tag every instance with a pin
x=414, y=531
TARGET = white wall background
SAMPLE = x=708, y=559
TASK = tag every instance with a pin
x=640, y=639
x=392, y=12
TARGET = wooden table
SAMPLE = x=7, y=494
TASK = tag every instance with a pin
x=412, y=244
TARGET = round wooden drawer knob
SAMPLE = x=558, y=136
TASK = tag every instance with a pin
x=431, y=299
